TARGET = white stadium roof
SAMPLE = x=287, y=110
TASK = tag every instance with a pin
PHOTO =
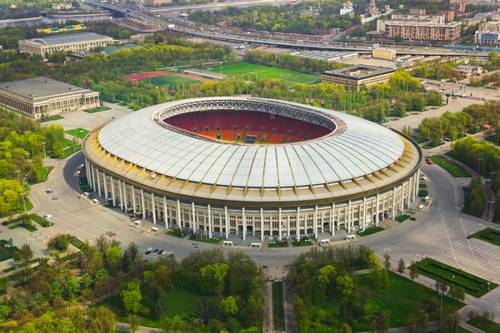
x=359, y=149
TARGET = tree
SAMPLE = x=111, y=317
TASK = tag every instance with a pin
x=401, y=266
x=456, y=292
x=229, y=306
x=345, y=285
x=387, y=262
x=103, y=320
x=413, y=270
x=58, y=243
x=380, y=323
x=213, y=276
x=131, y=297
x=133, y=321
x=448, y=321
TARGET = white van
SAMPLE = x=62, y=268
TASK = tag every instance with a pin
x=138, y=223
x=350, y=237
x=227, y=243
x=255, y=245
x=154, y=229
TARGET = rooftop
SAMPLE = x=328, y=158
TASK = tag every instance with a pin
x=68, y=38
x=38, y=87
x=359, y=72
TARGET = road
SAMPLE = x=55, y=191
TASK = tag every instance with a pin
x=413, y=120
x=216, y=6
x=460, y=88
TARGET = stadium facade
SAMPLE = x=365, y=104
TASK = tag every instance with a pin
x=256, y=167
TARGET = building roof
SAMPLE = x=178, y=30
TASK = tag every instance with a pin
x=359, y=72
x=355, y=148
x=39, y=87
x=69, y=38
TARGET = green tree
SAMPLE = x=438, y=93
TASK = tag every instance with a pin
x=401, y=266
x=413, y=270
x=103, y=320
x=131, y=297
x=213, y=276
x=229, y=306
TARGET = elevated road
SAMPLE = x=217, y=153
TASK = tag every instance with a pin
x=180, y=26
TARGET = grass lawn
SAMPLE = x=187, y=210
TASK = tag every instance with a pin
x=472, y=284
x=403, y=217
x=305, y=241
x=20, y=208
x=273, y=243
x=370, y=231
x=489, y=235
x=6, y=252
x=77, y=132
x=454, y=169
x=97, y=109
x=83, y=183
x=485, y=324
x=278, y=310
x=401, y=298
x=172, y=81
x=46, y=171
x=175, y=302
x=250, y=71
x=205, y=239
x=53, y=117
x=69, y=148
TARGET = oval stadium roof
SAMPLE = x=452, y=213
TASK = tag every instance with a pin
x=359, y=149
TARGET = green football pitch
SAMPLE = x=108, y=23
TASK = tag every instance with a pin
x=250, y=71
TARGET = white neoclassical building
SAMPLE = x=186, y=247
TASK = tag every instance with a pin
x=267, y=168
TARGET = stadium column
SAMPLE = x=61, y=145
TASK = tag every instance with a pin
x=124, y=189
x=143, y=205
x=315, y=222
x=87, y=172
x=262, y=224
x=209, y=221
x=179, y=224
x=410, y=189
x=377, y=210
x=98, y=183
x=226, y=219
x=332, y=223
x=244, y=218
x=92, y=173
x=193, y=217
x=113, y=193
x=165, y=215
x=402, y=202
x=364, y=213
x=394, y=203
x=134, y=200
x=288, y=226
x=120, y=193
x=418, y=183
x=297, y=223
x=348, y=216
x=279, y=223
x=153, y=207
x=105, y=181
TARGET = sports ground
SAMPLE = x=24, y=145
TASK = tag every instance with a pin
x=167, y=79
x=250, y=71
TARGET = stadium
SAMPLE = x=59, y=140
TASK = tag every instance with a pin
x=247, y=167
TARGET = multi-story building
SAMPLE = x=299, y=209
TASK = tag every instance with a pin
x=42, y=97
x=490, y=26
x=354, y=77
x=413, y=18
x=77, y=42
x=444, y=32
x=487, y=37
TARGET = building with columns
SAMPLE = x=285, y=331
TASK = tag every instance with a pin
x=245, y=166
x=42, y=97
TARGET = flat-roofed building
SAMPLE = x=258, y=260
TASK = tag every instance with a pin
x=420, y=27
x=384, y=53
x=155, y=3
x=41, y=97
x=354, y=77
x=77, y=42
